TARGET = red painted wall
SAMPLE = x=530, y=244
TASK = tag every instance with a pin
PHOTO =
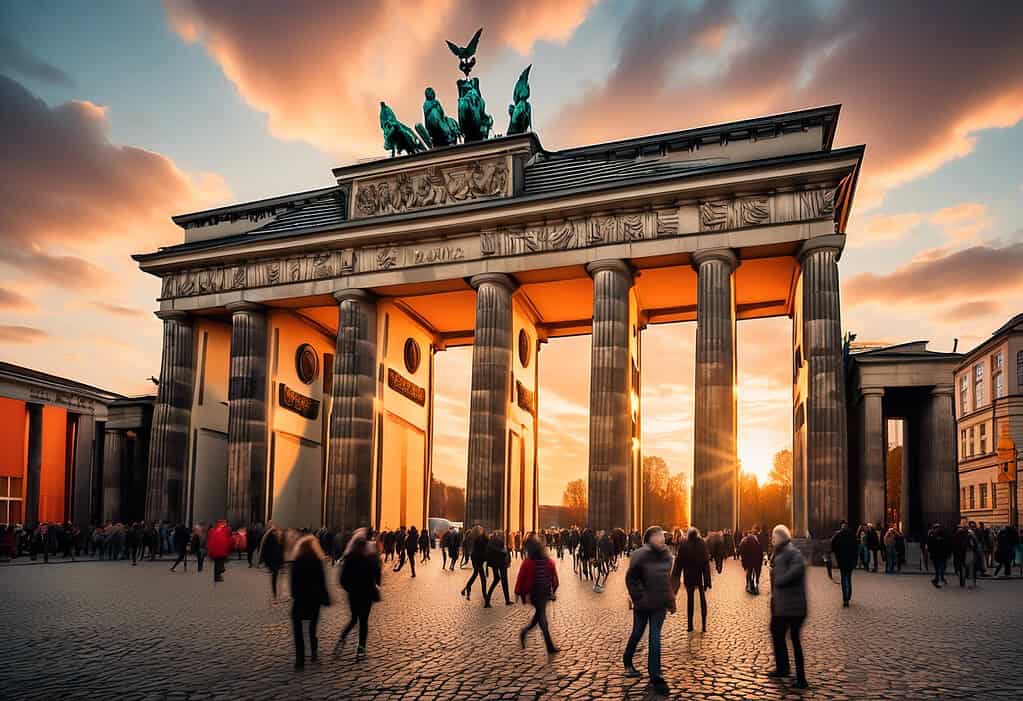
x=13, y=437
x=51, y=481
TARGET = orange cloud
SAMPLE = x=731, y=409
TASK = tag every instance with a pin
x=962, y=222
x=973, y=274
x=13, y=301
x=21, y=334
x=330, y=63
x=915, y=86
x=75, y=189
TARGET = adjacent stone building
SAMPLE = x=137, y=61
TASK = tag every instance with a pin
x=70, y=451
x=989, y=410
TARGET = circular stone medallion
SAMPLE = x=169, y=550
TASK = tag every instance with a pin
x=307, y=363
x=524, y=353
x=413, y=355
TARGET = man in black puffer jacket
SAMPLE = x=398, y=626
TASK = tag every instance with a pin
x=649, y=583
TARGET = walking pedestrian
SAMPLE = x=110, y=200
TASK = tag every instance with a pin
x=938, y=548
x=751, y=555
x=537, y=583
x=308, y=594
x=180, y=540
x=844, y=548
x=477, y=554
x=692, y=567
x=218, y=544
x=271, y=554
x=360, y=578
x=788, y=604
x=498, y=559
x=649, y=582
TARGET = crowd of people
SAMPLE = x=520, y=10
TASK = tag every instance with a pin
x=660, y=564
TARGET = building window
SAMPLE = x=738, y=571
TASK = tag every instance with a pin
x=962, y=498
x=983, y=496
x=964, y=394
x=1019, y=369
x=978, y=385
x=10, y=500
x=972, y=452
x=972, y=503
x=994, y=496
x=983, y=438
x=962, y=442
x=999, y=385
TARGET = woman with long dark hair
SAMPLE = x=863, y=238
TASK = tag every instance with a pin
x=308, y=594
x=537, y=582
x=360, y=578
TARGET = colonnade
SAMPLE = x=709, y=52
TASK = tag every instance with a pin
x=819, y=474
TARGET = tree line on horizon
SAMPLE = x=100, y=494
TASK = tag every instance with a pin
x=665, y=497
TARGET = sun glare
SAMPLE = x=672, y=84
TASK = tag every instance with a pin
x=756, y=454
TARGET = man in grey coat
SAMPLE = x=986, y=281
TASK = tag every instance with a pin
x=788, y=604
x=649, y=584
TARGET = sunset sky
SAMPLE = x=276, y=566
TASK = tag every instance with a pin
x=116, y=115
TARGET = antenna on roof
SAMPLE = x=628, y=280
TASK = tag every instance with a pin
x=955, y=344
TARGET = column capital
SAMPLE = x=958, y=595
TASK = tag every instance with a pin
x=244, y=306
x=501, y=279
x=614, y=264
x=172, y=315
x=829, y=242
x=725, y=255
x=872, y=391
x=944, y=389
x=354, y=294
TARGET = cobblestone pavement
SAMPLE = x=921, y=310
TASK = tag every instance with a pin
x=102, y=630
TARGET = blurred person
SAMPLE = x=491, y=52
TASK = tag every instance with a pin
x=844, y=547
x=308, y=593
x=498, y=560
x=751, y=555
x=692, y=568
x=788, y=604
x=537, y=584
x=180, y=538
x=478, y=556
x=360, y=578
x=218, y=544
x=271, y=554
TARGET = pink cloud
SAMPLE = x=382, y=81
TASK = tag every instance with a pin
x=10, y=334
x=331, y=63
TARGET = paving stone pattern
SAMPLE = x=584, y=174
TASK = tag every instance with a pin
x=102, y=630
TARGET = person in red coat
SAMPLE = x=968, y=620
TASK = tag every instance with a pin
x=218, y=546
x=537, y=580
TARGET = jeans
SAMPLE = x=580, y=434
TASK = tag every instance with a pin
x=780, y=625
x=540, y=619
x=481, y=572
x=498, y=574
x=753, y=579
x=274, y=572
x=939, y=569
x=200, y=555
x=219, y=565
x=360, y=614
x=182, y=558
x=890, y=560
x=846, y=575
x=640, y=619
x=690, y=589
x=296, y=623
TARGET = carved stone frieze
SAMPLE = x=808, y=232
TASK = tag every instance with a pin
x=757, y=210
x=567, y=234
x=259, y=273
x=432, y=187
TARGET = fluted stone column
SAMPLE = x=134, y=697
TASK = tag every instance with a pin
x=610, y=410
x=33, y=471
x=827, y=468
x=350, y=474
x=246, y=415
x=113, y=450
x=872, y=455
x=168, y=445
x=488, y=406
x=939, y=502
x=715, y=465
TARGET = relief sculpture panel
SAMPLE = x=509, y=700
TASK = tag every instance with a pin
x=432, y=187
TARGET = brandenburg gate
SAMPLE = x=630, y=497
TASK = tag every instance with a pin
x=297, y=377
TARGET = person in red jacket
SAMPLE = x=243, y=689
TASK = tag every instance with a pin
x=218, y=546
x=537, y=580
